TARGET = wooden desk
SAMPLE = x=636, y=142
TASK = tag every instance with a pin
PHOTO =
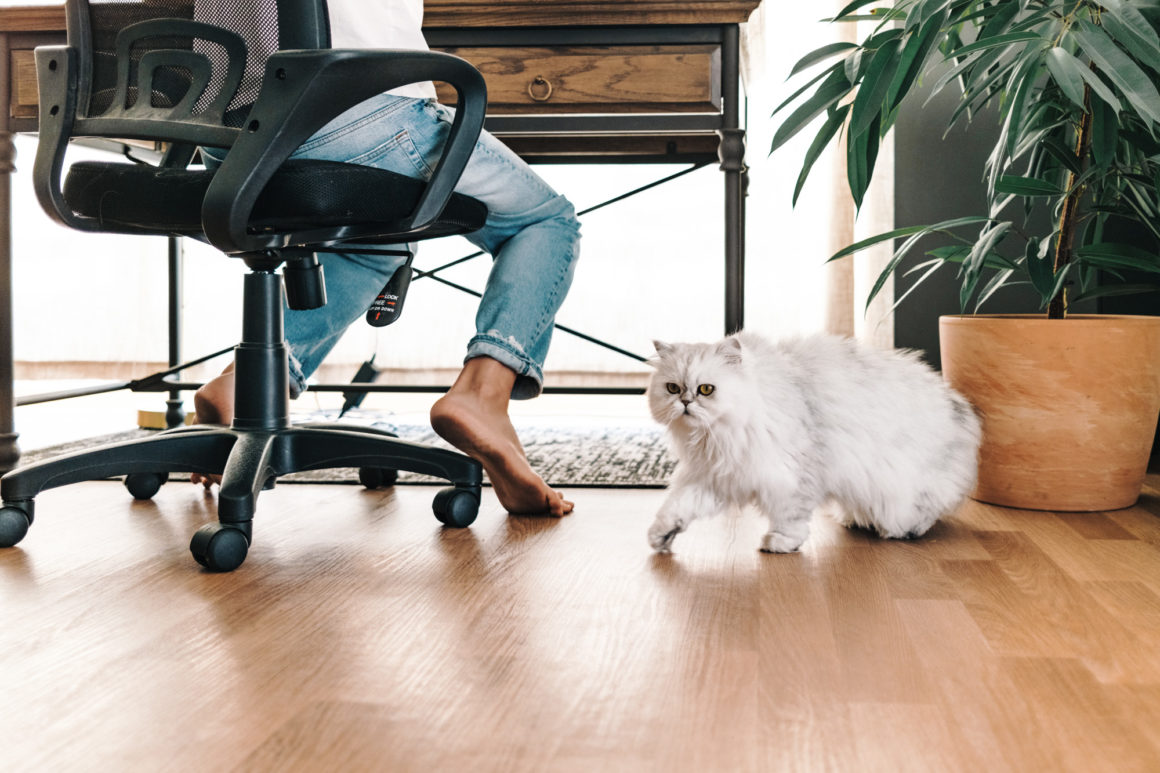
x=598, y=81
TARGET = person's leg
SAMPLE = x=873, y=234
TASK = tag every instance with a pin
x=533, y=234
x=473, y=417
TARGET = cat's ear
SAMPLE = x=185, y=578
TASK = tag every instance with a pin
x=663, y=349
x=730, y=350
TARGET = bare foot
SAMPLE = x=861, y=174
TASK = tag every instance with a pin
x=478, y=425
x=213, y=403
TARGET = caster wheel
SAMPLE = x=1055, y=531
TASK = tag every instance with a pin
x=456, y=507
x=14, y=523
x=219, y=548
x=143, y=485
x=377, y=477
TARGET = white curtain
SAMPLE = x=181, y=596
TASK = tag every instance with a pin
x=788, y=248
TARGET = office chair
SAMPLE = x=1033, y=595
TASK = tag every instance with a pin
x=256, y=77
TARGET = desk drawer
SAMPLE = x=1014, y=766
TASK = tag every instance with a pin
x=23, y=91
x=597, y=79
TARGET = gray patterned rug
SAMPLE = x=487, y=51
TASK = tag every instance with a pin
x=566, y=452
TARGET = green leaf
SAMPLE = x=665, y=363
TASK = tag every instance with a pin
x=868, y=103
x=1060, y=280
x=1119, y=68
x=1026, y=186
x=913, y=59
x=952, y=253
x=950, y=75
x=989, y=238
x=1129, y=27
x=1063, y=155
x=1115, y=255
x=960, y=253
x=1101, y=89
x=997, y=281
x=854, y=63
x=1105, y=133
x=1001, y=15
x=945, y=225
x=1112, y=290
x=830, y=72
x=861, y=155
x=875, y=14
x=1040, y=270
x=928, y=8
x=1007, y=39
x=967, y=289
x=829, y=93
x=1023, y=80
x=892, y=266
x=854, y=6
x=820, y=55
x=1066, y=70
x=978, y=93
x=931, y=267
x=821, y=140
x=992, y=260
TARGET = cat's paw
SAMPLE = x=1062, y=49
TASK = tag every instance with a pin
x=776, y=542
x=662, y=533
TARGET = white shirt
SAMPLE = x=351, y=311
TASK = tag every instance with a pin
x=381, y=24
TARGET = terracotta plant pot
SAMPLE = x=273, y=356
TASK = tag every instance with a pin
x=1069, y=406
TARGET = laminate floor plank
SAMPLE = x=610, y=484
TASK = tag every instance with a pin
x=361, y=635
x=999, y=728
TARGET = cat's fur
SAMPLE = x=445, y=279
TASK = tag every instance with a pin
x=796, y=425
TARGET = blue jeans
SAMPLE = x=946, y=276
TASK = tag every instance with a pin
x=531, y=231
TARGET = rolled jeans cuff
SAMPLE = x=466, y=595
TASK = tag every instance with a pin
x=529, y=376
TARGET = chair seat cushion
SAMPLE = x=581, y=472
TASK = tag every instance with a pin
x=302, y=194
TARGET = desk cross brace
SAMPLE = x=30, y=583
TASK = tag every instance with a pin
x=159, y=381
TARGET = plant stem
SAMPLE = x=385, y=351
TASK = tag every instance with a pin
x=1068, y=218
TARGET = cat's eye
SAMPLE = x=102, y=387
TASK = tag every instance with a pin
x=706, y=389
x=674, y=389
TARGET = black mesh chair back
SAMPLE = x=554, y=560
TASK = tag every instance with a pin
x=203, y=60
x=191, y=73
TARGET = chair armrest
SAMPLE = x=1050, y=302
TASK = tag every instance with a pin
x=301, y=92
x=56, y=68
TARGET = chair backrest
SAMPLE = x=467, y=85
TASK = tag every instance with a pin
x=178, y=68
x=187, y=73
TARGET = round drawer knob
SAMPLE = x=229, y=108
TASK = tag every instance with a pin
x=540, y=89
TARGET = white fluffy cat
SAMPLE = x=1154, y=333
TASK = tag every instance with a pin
x=794, y=425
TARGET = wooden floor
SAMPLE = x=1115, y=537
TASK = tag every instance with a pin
x=359, y=635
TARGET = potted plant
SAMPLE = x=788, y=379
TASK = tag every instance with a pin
x=1069, y=401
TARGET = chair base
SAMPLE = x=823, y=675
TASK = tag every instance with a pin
x=259, y=447
x=248, y=461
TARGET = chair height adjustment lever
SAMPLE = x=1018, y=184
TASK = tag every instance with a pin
x=388, y=305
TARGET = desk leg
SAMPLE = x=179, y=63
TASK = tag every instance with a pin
x=731, y=153
x=9, y=450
